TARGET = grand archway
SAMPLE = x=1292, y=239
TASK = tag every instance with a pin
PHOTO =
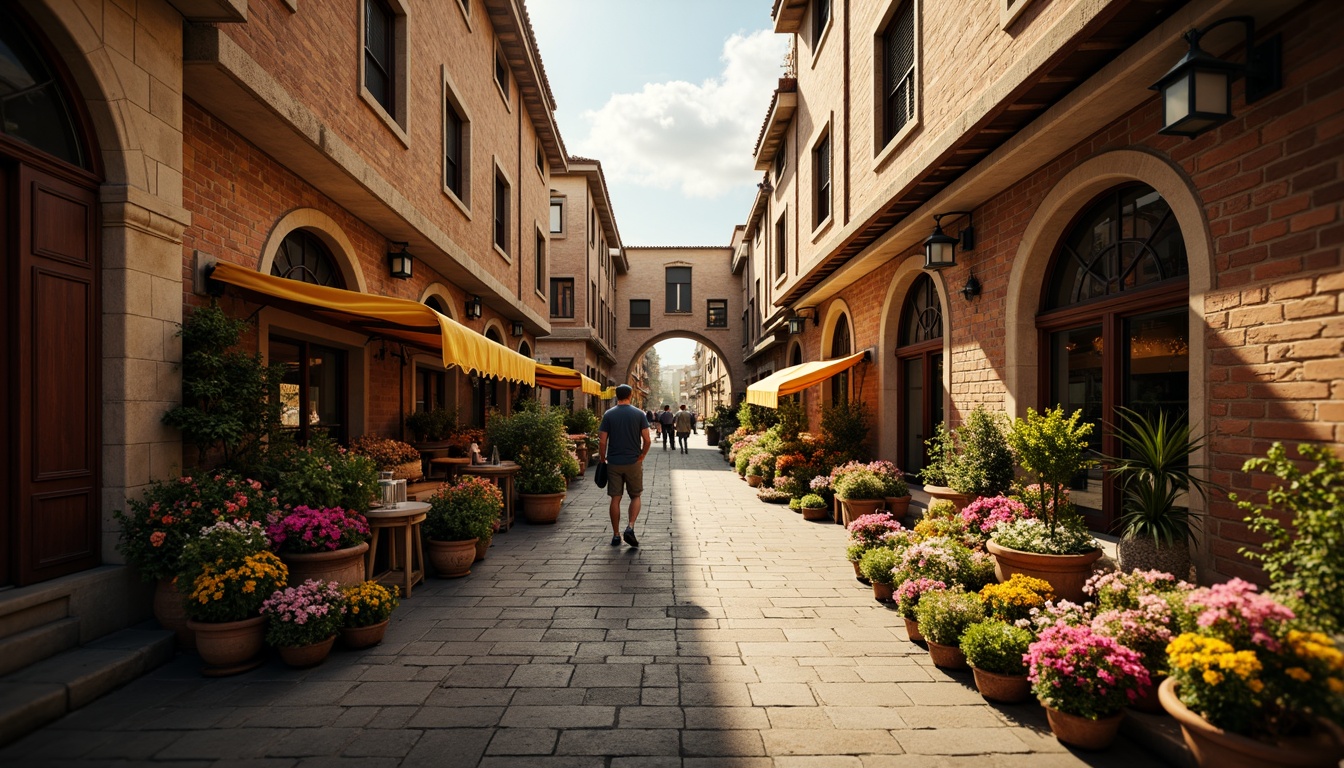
x=736, y=373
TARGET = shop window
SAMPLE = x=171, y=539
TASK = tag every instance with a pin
x=312, y=389
x=431, y=389
x=304, y=257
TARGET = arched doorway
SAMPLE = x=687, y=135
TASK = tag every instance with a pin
x=50, y=429
x=919, y=370
x=712, y=382
x=1114, y=323
x=842, y=344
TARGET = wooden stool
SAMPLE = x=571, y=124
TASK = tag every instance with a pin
x=405, y=558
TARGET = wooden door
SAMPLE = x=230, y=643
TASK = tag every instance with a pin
x=55, y=393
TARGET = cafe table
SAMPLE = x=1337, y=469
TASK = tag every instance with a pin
x=501, y=475
x=405, y=558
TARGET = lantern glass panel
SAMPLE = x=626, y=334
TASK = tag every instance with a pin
x=1211, y=92
x=1177, y=100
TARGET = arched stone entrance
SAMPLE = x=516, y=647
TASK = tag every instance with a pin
x=642, y=344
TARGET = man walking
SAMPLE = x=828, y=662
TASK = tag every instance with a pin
x=695, y=417
x=665, y=419
x=623, y=442
x=682, y=422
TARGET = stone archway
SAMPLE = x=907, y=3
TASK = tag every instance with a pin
x=625, y=363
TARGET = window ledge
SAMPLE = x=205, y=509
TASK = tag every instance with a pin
x=387, y=119
x=508, y=103
x=780, y=279
x=889, y=151
x=503, y=254
x=821, y=42
x=451, y=195
x=540, y=295
x=820, y=230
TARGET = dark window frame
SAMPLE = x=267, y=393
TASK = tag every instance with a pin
x=454, y=150
x=562, y=297
x=676, y=303
x=503, y=200
x=821, y=181
x=782, y=244
x=539, y=266
x=821, y=18
x=502, y=72
x=372, y=64
x=715, y=307
x=647, y=313
x=899, y=68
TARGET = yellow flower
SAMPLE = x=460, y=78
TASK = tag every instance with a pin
x=1212, y=678
x=1335, y=685
x=1255, y=685
x=1297, y=673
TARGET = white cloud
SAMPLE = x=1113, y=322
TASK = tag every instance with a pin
x=697, y=138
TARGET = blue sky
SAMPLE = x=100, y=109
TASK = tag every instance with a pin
x=670, y=98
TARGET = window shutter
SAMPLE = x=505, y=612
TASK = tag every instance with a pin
x=900, y=70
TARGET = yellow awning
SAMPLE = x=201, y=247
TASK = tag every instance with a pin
x=796, y=378
x=560, y=377
x=397, y=319
x=608, y=394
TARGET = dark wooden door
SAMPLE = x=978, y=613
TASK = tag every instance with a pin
x=8, y=520
x=55, y=394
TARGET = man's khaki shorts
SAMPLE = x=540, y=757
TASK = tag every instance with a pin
x=625, y=476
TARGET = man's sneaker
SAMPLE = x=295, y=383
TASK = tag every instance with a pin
x=630, y=537
x=615, y=541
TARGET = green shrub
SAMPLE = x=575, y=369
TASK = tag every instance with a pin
x=944, y=616
x=465, y=510
x=974, y=458
x=319, y=474
x=860, y=484
x=432, y=425
x=1052, y=449
x=535, y=437
x=995, y=646
x=844, y=429
x=812, y=501
x=876, y=565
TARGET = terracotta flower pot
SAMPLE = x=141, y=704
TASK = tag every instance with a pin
x=303, y=656
x=943, y=493
x=881, y=592
x=364, y=637
x=541, y=508
x=898, y=506
x=451, y=559
x=229, y=647
x=856, y=508
x=171, y=615
x=946, y=656
x=343, y=566
x=857, y=573
x=754, y=481
x=815, y=513
x=1005, y=689
x=1214, y=746
x=912, y=629
x=1066, y=573
x=481, y=546
x=1084, y=732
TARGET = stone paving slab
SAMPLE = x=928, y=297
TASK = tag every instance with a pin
x=734, y=637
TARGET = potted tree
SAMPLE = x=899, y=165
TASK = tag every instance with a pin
x=302, y=621
x=969, y=461
x=534, y=437
x=862, y=492
x=1054, y=544
x=994, y=650
x=458, y=516
x=1154, y=473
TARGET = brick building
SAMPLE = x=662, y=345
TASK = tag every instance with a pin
x=1111, y=264
x=586, y=258
x=309, y=141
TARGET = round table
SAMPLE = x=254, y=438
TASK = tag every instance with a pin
x=405, y=558
x=451, y=466
x=501, y=475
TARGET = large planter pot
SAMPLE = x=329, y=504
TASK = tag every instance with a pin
x=754, y=481
x=451, y=559
x=857, y=573
x=171, y=615
x=541, y=508
x=912, y=629
x=882, y=592
x=1084, y=732
x=303, y=656
x=939, y=492
x=409, y=471
x=712, y=434
x=946, y=656
x=343, y=566
x=898, y=506
x=364, y=637
x=853, y=509
x=229, y=647
x=482, y=545
x=1145, y=554
x=816, y=513
x=1213, y=746
x=1005, y=689
x=1066, y=573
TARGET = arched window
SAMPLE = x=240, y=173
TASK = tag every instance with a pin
x=34, y=108
x=436, y=304
x=919, y=366
x=1114, y=324
x=304, y=257
x=841, y=345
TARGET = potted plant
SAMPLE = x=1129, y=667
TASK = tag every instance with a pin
x=1084, y=680
x=1147, y=630
x=896, y=494
x=536, y=439
x=862, y=493
x=157, y=526
x=756, y=470
x=943, y=616
x=325, y=544
x=1015, y=598
x=908, y=594
x=230, y=572
x=458, y=515
x=1054, y=544
x=986, y=513
x=581, y=425
x=432, y=427
x=969, y=461
x=321, y=474
x=368, y=608
x=302, y=621
x=773, y=495
x=877, y=566
x=388, y=455
x=1249, y=687
x=994, y=650
x=1154, y=474
x=813, y=507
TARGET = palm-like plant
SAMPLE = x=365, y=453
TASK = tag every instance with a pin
x=1153, y=474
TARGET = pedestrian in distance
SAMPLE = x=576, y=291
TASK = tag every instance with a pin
x=623, y=442
x=665, y=419
x=683, y=421
x=695, y=418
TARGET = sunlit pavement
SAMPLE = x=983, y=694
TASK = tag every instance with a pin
x=736, y=635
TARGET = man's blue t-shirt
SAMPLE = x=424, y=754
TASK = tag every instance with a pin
x=623, y=425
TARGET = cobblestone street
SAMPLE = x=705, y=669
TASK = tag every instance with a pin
x=735, y=635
